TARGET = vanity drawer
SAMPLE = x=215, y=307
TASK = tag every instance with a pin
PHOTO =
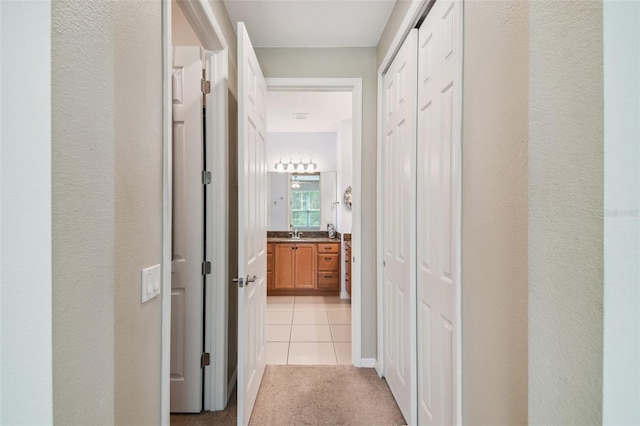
x=328, y=280
x=328, y=248
x=328, y=262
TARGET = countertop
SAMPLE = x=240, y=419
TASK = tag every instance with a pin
x=303, y=240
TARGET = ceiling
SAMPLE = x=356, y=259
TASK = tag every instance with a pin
x=325, y=111
x=311, y=23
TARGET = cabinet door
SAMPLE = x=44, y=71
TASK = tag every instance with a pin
x=270, y=266
x=284, y=266
x=305, y=266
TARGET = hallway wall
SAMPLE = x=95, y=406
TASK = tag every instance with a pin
x=107, y=210
x=621, y=372
x=357, y=62
x=26, y=396
x=83, y=212
x=138, y=207
x=565, y=212
x=494, y=213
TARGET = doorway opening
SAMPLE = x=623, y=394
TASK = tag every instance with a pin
x=291, y=98
x=309, y=152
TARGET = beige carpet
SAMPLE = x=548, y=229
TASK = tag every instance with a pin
x=324, y=395
x=312, y=395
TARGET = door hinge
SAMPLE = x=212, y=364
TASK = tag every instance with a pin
x=205, y=86
x=206, y=268
x=206, y=177
x=205, y=359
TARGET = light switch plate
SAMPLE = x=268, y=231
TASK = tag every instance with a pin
x=150, y=283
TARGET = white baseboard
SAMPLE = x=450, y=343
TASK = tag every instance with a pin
x=344, y=295
x=368, y=363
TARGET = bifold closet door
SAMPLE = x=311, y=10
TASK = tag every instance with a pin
x=437, y=152
x=399, y=186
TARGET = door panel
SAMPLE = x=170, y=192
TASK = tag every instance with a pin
x=284, y=266
x=188, y=233
x=437, y=151
x=399, y=225
x=305, y=266
x=252, y=225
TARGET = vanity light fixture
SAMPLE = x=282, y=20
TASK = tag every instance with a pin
x=279, y=166
x=298, y=167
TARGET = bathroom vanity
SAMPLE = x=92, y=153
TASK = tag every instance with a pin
x=304, y=266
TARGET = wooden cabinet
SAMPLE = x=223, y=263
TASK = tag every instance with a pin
x=329, y=266
x=294, y=266
x=270, y=281
x=347, y=266
x=303, y=268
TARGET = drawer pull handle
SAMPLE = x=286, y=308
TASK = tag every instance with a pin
x=328, y=276
x=327, y=258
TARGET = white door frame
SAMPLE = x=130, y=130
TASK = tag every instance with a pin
x=354, y=85
x=417, y=10
x=205, y=25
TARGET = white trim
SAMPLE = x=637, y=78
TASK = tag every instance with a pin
x=167, y=166
x=412, y=17
x=216, y=337
x=416, y=9
x=355, y=86
x=458, y=225
x=203, y=21
x=368, y=363
x=379, y=239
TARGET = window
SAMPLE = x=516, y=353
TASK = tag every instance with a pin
x=305, y=201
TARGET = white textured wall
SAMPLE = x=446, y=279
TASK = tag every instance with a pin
x=345, y=63
x=319, y=147
x=83, y=189
x=494, y=213
x=138, y=207
x=26, y=396
x=107, y=206
x=565, y=212
x=621, y=374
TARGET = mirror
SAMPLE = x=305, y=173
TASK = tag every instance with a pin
x=302, y=200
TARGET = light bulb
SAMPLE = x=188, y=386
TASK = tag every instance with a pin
x=311, y=167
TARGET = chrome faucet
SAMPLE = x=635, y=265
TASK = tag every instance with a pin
x=295, y=234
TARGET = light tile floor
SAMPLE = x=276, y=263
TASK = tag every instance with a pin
x=308, y=330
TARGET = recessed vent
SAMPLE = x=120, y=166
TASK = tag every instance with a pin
x=300, y=115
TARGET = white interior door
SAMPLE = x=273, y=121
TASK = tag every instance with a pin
x=188, y=233
x=399, y=183
x=252, y=225
x=438, y=145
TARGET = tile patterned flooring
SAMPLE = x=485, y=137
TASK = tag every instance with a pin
x=308, y=330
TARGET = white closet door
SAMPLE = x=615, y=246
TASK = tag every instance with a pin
x=438, y=145
x=399, y=186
